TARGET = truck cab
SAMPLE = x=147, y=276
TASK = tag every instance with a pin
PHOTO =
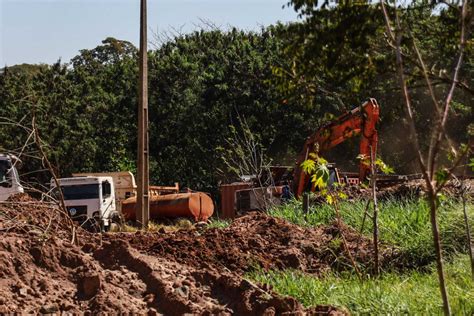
x=89, y=200
x=9, y=179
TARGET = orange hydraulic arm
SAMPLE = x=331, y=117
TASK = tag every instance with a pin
x=360, y=121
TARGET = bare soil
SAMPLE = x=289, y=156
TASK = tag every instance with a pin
x=45, y=268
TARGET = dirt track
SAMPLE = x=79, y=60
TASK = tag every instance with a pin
x=189, y=271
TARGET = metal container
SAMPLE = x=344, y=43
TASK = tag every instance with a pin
x=195, y=205
x=227, y=191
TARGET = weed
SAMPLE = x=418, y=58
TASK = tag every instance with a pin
x=184, y=224
x=218, y=223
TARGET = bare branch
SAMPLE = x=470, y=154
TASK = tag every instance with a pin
x=396, y=38
x=434, y=149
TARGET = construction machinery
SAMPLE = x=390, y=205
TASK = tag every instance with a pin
x=100, y=200
x=361, y=121
x=9, y=178
x=89, y=200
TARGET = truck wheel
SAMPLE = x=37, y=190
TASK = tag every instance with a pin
x=92, y=225
x=116, y=218
x=116, y=222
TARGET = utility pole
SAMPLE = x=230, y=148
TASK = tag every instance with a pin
x=143, y=203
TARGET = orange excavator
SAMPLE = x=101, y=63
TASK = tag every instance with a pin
x=360, y=121
x=246, y=196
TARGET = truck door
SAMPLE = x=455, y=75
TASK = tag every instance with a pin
x=107, y=203
x=9, y=180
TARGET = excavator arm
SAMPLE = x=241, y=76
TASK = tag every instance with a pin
x=360, y=121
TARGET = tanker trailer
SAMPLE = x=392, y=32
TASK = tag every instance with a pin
x=196, y=205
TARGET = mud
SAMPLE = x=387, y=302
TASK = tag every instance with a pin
x=49, y=267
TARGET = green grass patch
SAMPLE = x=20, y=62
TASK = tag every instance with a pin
x=415, y=293
x=218, y=223
x=405, y=224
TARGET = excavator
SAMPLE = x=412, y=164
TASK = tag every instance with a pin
x=362, y=121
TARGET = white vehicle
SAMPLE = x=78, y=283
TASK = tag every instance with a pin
x=90, y=200
x=123, y=184
x=9, y=179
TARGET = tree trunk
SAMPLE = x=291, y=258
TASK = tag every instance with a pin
x=468, y=233
x=375, y=216
x=439, y=255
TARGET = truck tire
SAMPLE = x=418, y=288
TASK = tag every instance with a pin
x=92, y=225
x=116, y=222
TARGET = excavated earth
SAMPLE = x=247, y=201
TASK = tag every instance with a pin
x=48, y=265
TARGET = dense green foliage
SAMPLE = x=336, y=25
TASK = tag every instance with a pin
x=85, y=113
x=282, y=81
x=405, y=224
x=412, y=293
x=339, y=57
x=200, y=84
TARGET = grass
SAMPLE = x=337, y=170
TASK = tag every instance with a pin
x=180, y=224
x=218, y=223
x=415, y=293
x=405, y=224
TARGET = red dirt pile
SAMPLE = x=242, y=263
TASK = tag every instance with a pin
x=42, y=272
x=257, y=239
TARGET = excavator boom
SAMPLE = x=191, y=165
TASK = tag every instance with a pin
x=360, y=121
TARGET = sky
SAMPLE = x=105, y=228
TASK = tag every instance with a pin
x=43, y=31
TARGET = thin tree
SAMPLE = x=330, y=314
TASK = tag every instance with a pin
x=373, y=181
x=435, y=179
x=465, y=190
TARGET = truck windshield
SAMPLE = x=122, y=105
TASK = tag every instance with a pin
x=4, y=167
x=81, y=192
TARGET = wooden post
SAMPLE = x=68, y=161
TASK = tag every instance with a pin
x=143, y=203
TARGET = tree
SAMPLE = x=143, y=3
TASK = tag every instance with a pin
x=340, y=58
x=434, y=174
x=200, y=84
x=84, y=111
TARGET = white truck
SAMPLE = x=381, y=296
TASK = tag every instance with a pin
x=9, y=179
x=90, y=200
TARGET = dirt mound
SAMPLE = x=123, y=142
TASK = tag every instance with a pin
x=417, y=188
x=180, y=289
x=23, y=214
x=409, y=189
x=43, y=272
x=257, y=239
x=54, y=276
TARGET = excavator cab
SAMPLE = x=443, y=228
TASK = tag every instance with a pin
x=333, y=175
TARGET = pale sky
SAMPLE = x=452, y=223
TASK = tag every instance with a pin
x=42, y=31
